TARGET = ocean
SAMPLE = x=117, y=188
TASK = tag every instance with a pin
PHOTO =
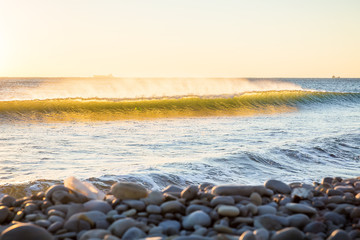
x=176, y=131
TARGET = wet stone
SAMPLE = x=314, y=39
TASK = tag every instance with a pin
x=172, y=207
x=196, y=218
x=133, y=233
x=170, y=227
x=225, y=200
x=300, y=208
x=278, y=186
x=288, y=233
x=98, y=205
x=266, y=209
x=256, y=198
x=247, y=235
x=55, y=227
x=153, y=209
x=228, y=211
x=136, y=204
x=119, y=227
x=4, y=213
x=190, y=192
x=315, y=227
x=94, y=234
x=125, y=190
x=339, y=234
x=25, y=231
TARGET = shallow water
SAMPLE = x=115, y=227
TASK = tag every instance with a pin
x=311, y=140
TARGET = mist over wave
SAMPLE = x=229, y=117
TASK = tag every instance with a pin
x=134, y=88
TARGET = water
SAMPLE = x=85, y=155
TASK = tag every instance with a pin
x=291, y=134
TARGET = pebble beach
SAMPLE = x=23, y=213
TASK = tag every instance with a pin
x=328, y=209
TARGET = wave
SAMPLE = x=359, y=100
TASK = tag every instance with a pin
x=96, y=109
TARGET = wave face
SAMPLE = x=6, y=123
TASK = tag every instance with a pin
x=115, y=109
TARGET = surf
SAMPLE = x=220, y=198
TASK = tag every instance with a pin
x=110, y=109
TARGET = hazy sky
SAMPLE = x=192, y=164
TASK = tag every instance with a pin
x=180, y=38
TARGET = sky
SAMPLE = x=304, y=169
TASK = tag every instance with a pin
x=180, y=38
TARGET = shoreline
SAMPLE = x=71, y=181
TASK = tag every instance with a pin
x=329, y=209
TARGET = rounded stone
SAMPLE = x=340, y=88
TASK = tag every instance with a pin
x=55, y=226
x=266, y=209
x=136, y=204
x=277, y=186
x=339, y=234
x=261, y=234
x=95, y=233
x=196, y=218
x=98, y=205
x=119, y=227
x=133, y=233
x=190, y=192
x=242, y=190
x=126, y=190
x=153, y=209
x=335, y=218
x=288, y=233
x=7, y=200
x=300, y=208
x=270, y=222
x=25, y=231
x=155, y=198
x=4, y=213
x=172, y=207
x=170, y=227
x=225, y=200
x=228, y=211
x=315, y=227
x=298, y=220
x=256, y=198
x=247, y=235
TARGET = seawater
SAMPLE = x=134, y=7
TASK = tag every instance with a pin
x=243, y=131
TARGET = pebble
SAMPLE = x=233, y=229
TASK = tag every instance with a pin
x=126, y=190
x=256, y=198
x=339, y=234
x=242, y=190
x=225, y=200
x=190, y=192
x=261, y=234
x=277, y=186
x=25, y=231
x=98, y=205
x=288, y=233
x=154, y=197
x=136, y=204
x=119, y=227
x=300, y=208
x=55, y=226
x=247, y=235
x=133, y=233
x=196, y=218
x=228, y=211
x=95, y=233
x=266, y=209
x=4, y=213
x=335, y=218
x=270, y=222
x=172, y=207
x=170, y=227
x=315, y=227
x=153, y=209
x=298, y=220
